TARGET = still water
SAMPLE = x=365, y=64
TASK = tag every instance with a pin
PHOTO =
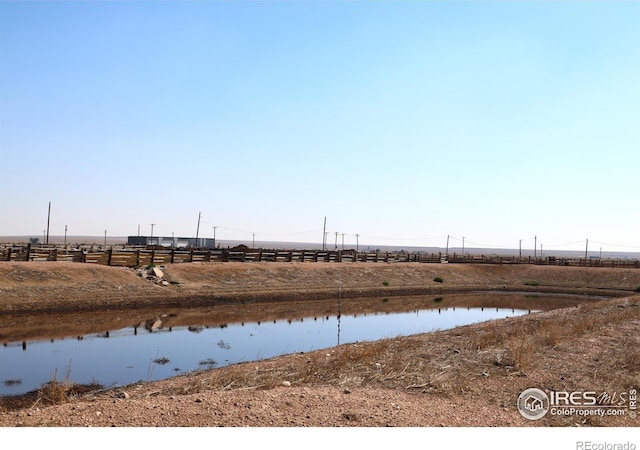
x=131, y=354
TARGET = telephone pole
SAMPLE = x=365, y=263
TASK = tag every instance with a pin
x=586, y=250
x=535, y=245
x=198, y=229
x=357, y=242
x=48, y=220
x=324, y=234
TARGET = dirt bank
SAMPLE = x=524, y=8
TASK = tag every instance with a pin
x=469, y=376
x=60, y=286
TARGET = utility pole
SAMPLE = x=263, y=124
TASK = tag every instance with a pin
x=253, y=245
x=105, y=238
x=586, y=250
x=336, y=247
x=151, y=240
x=214, y=237
x=198, y=230
x=48, y=220
x=462, y=245
x=535, y=245
x=447, y=249
x=324, y=234
x=357, y=242
x=342, y=241
x=520, y=249
x=138, y=230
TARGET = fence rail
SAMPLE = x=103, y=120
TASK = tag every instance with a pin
x=133, y=257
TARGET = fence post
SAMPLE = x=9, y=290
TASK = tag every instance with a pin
x=173, y=253
x=9, y=254
x=109, y=253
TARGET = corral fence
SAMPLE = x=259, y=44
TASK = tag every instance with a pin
x=135, y=257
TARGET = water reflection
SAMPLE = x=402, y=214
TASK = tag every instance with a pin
x=157, y=345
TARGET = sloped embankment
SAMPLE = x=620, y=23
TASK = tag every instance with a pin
x=49, y=286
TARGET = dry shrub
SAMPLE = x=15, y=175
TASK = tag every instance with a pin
x=551, y=333
x=520, y=352
x=55, y=392
x=487, y=337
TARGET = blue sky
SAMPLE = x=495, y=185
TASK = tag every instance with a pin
x=403, y=122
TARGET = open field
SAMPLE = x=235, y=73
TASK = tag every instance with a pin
x=468, y=376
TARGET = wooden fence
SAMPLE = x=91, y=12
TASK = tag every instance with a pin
x=134, y=257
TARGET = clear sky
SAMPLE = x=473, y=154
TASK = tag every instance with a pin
x=403, y=122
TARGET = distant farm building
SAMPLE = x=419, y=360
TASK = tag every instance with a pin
x=170, y=242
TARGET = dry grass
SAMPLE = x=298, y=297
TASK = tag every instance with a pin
x=454, y=362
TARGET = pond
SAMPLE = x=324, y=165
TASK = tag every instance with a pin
x=185, y=340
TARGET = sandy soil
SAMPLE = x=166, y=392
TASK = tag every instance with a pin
x=469, y=376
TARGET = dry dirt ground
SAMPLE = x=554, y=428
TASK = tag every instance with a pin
x=468, y=376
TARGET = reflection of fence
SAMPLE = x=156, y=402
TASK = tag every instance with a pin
x=131, y=256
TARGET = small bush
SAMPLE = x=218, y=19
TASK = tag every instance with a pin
x=385, y=300
x=531, y=283
x=438, y=279
x=637, y=289
x=385, y=282
x=438, y=299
